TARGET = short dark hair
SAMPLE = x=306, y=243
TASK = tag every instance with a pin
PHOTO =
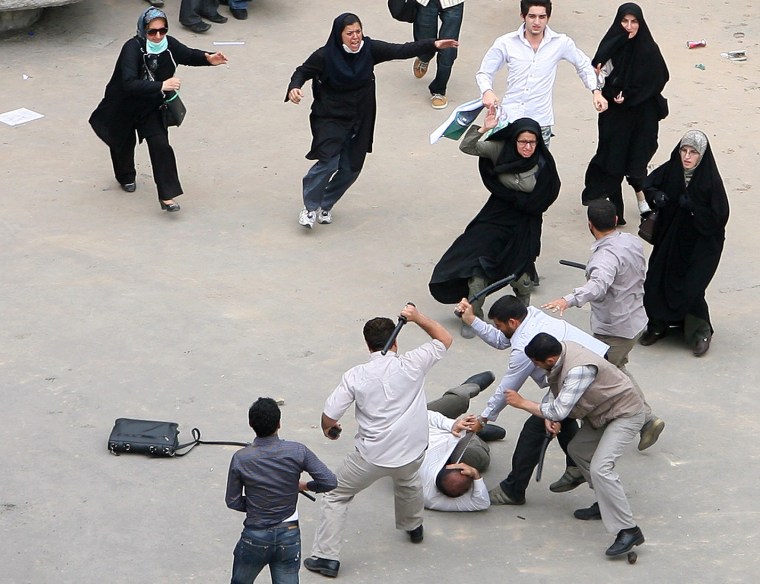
x=508, y=307
x=526, y=4
x=543, y=346
x=602, y=214
x=377, y=331
x=264, y=416
x=452, y=483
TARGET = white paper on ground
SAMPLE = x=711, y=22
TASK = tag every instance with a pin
x=227, y=43
x=19, y=116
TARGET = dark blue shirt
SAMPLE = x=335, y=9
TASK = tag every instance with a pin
x=269, y=471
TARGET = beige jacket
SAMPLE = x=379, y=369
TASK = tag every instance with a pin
x=610, y=396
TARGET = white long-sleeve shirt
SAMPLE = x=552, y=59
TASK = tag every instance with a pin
x=531, y=75
x=390, y=406
x=441, y=444
x=520, y=367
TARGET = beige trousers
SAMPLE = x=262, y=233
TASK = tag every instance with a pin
x=354, y=476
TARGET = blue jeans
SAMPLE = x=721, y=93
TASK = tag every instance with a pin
x=328, y=180
x=239, y=4
x=278, y=547
x=426, y=27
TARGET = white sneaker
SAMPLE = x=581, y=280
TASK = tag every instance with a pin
x=643, y=207
x=306, y=218
x=324, y=216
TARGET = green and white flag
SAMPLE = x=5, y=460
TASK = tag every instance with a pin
x=457, y=123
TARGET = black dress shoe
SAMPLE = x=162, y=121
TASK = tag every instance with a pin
x=701, y=347
x=650, y=337
x=625, y=540
x=170, y=207
x=217, y=18
x=491, y=433
x=482, y=380
x=239, y=13
x=416, y=534
x=325, y=567
x=198, y=27
x=129, y=187
x=588, y=513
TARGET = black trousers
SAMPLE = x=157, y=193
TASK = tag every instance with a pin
x=528, y=451
x=602, y=185
x=191, y=11
x=162, y=159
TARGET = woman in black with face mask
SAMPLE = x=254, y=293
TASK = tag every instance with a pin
x=142, y=81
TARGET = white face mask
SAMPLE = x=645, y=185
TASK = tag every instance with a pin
x=345, y=48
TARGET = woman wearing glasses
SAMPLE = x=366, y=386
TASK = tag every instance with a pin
x=141, y=82
x=688, y=242
x=505, y=236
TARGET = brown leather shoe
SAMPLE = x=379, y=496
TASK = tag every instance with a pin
x=419, y=68
x=701, y=347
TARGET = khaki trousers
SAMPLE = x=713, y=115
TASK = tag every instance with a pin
x=596, y=451
x=354, y=476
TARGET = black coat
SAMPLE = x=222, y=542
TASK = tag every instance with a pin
x=505, y=236
x=688, y=238
x=131, y=98
x=338, y=113
x=628, y=131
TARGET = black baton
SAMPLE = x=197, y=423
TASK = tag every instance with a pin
x=396, y=331
x=544, y=446
x=572, y=264
x=498, y=285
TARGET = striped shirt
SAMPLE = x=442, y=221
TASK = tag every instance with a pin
x=577, y=381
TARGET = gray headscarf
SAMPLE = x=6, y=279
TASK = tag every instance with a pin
x=697, y=140
x=150, y=14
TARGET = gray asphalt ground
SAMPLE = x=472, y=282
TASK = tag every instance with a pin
x=112, y=308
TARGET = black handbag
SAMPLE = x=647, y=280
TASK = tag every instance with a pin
x=144, y=437
x=403, y=10
x=173, y=111
x=662, y=107
x=646, y=228
x=153, y=438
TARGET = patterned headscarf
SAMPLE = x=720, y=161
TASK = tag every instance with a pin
x=697, y=140
x=148, y=15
